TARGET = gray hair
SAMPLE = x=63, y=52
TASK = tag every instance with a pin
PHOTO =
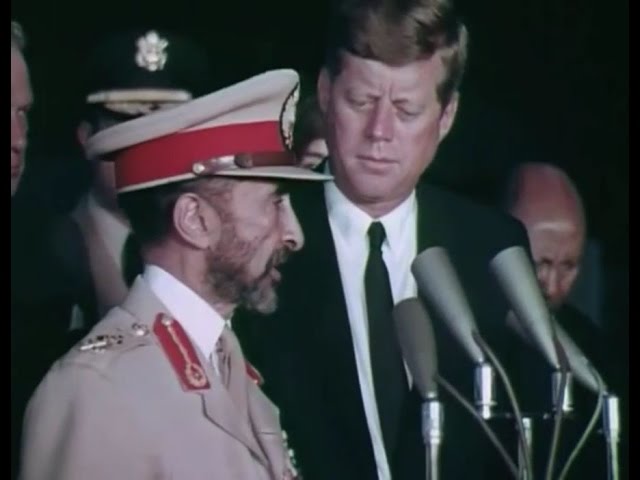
x=17, y=36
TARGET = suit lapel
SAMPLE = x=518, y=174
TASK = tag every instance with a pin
x=218, y=406
x=333, y=356
x=221, y=410
x=265, y=424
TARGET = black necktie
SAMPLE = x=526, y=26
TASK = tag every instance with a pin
x=132, y=264
x=389, y=378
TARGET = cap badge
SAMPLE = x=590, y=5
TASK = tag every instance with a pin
x=151, y=53
x=288, y=117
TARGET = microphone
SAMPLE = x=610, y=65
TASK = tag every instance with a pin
x=611, y=420
x=438, y=283
x=518, y=281
x=517, y=278
x=418, y=345
x=581, y=368
x=590, y=378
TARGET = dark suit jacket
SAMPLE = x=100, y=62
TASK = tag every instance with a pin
x=41, y=304
x=306, y=355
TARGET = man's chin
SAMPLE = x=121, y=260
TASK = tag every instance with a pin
x=264, y=301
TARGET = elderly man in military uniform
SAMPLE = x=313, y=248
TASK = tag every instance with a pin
x=160, y=388
x=130, y=74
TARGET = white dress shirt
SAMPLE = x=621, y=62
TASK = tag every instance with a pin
x=112, y=230
x=349, y=227
x=199, y=320
x=114, y=233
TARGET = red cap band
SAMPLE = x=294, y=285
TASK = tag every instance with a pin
x=173, y=155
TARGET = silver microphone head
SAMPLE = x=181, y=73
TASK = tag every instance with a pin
x=517, y=279
x=418, y=344
x=439, y=285
x=581, y=368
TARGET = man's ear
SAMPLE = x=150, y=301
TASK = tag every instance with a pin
x=448, y=115
x=196, y=222
x=323, y=89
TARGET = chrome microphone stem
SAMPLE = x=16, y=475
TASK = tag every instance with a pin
x=527, y=423
x=485, y=390
x=567, y=399
x=611, y=421
x=432, y=423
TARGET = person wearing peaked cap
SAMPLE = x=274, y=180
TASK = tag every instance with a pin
x=129, y=74
x=160, y=388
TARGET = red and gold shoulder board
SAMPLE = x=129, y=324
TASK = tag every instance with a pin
x=254, y=374
x=181, y=353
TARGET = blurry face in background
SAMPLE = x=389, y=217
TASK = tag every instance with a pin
x=314, y=153
x=21, y=100
x=557, y=250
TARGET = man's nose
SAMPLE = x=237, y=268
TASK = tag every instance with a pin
x=380, y=127
x=551, y=284
x=18, y=134
x=293, y=236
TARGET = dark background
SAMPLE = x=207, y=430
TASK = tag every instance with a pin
x=547, y=80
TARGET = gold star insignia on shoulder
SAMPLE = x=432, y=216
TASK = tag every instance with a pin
x=100, y=343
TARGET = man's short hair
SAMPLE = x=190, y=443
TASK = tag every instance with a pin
x=18, y=39
x=150, y=210
x=399, y=32
x=309, y=125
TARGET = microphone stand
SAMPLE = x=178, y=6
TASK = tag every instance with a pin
x=432, y=422
x=512, y=398
x=527, y=424
x=611, y=421
x=485, y=390
x=567, y=396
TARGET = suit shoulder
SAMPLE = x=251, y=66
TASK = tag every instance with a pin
x=485, y=220
x=114, y=336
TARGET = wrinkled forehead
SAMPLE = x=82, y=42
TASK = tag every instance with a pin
x=556, y=240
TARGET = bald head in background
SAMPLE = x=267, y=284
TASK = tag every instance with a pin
x=547, y=202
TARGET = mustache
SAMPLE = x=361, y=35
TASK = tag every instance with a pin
x=278, y=258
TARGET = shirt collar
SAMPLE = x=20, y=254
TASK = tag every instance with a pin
x=352, y=222
x=201, y=322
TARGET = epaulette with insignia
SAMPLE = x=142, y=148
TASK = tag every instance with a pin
x=254, y=374
x=102, y=342
x=181, y=353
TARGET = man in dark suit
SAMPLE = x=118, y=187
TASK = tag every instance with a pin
x=130, y=74
x=546, y=201
x=388, y=92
